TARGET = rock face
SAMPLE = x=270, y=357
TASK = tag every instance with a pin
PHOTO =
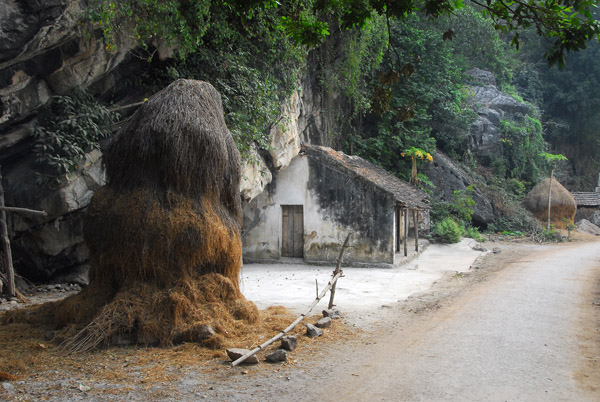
x=52, y=245
x=492, y=107
x=448, y=177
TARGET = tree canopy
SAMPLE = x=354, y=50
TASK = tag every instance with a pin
x=568, y=24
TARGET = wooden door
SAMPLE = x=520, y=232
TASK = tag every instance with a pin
x=292, y=239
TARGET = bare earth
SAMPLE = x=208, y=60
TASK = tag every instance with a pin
x=522, y=325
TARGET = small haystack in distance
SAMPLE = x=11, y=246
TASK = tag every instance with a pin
x=164, y=232
x=562, y=205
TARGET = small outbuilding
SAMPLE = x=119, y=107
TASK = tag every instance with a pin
x=588, y=205
x=309, y=208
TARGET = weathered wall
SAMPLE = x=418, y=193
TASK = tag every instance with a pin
x=334, y=205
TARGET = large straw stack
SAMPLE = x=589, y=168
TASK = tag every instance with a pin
x=164, y=233
x=562, y=207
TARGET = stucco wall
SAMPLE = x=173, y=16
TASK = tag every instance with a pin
x=334, y=205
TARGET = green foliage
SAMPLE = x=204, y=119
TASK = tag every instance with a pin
x=185, y=23
x=522, y=145
x=472, y=233
x=448, y=230
x=68, y=128
x=462, y=204
x=252, y=88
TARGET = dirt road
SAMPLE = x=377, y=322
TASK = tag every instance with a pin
x=527, y=329
x=529, y=333
x=523, y=325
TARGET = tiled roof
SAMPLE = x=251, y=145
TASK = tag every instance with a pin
x=404, y=193
x=587, y=199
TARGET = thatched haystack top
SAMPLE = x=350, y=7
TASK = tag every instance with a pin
x=537, y=199
x=562, y=206
x=405, y=195
x=176, y=141
x=587, y=199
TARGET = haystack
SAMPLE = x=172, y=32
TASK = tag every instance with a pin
x=562, y=206
x=164, y=232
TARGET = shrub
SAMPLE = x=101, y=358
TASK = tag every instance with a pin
x=449, y=231
x=473, y=233
x=68, y=127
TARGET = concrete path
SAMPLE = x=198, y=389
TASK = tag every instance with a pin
x=361, y=291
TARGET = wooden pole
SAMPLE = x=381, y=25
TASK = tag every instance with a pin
x=338, y=269
x=291, y=326
x=416, y=221
x=550, y=199
x=10, y=273
x=23, y=211
x=405, y=238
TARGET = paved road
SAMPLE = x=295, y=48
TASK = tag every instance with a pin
x=522, y=335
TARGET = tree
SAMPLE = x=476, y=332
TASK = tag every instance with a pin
x=568, y=24
x=414, y=154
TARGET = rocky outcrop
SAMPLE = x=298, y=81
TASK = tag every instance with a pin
x=44, y=247
x=44, y=52
x=492, y=106
x=285, y=139
x=255, y=175
x=449, y=177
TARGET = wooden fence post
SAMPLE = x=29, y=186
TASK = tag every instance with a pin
x=8, y=266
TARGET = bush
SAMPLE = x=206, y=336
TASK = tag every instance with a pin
x=449, y=231
x=473, y=233
x=68, y=128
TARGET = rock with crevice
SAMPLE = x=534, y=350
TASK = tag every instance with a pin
x=285, y=140
x=448, y=177
x=492, y=106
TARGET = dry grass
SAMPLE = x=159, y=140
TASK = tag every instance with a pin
x=27, y=356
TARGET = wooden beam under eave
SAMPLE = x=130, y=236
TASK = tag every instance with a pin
x=416, y=221
x=405, y=239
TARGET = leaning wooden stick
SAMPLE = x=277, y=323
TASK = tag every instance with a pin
x=331, y=283
x=24, y=211
x=338, y=269
x=292, y=325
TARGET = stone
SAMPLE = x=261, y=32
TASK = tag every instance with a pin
x=312, y=331
x=449, y=177
x=289, y=342
x=324, y=322
x=285, y=140
x=332, y=313
x=277, y=356
x=255, y=175
x=496, y=250
x=478, y=247
x=492, y=106
x=236, y=353
x=481, y=76
x=8, y=386
x=585, y=226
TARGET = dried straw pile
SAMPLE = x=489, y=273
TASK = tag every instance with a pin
x=164, y=233
x=562, y=205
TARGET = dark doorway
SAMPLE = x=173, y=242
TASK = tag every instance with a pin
x=292, y=239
